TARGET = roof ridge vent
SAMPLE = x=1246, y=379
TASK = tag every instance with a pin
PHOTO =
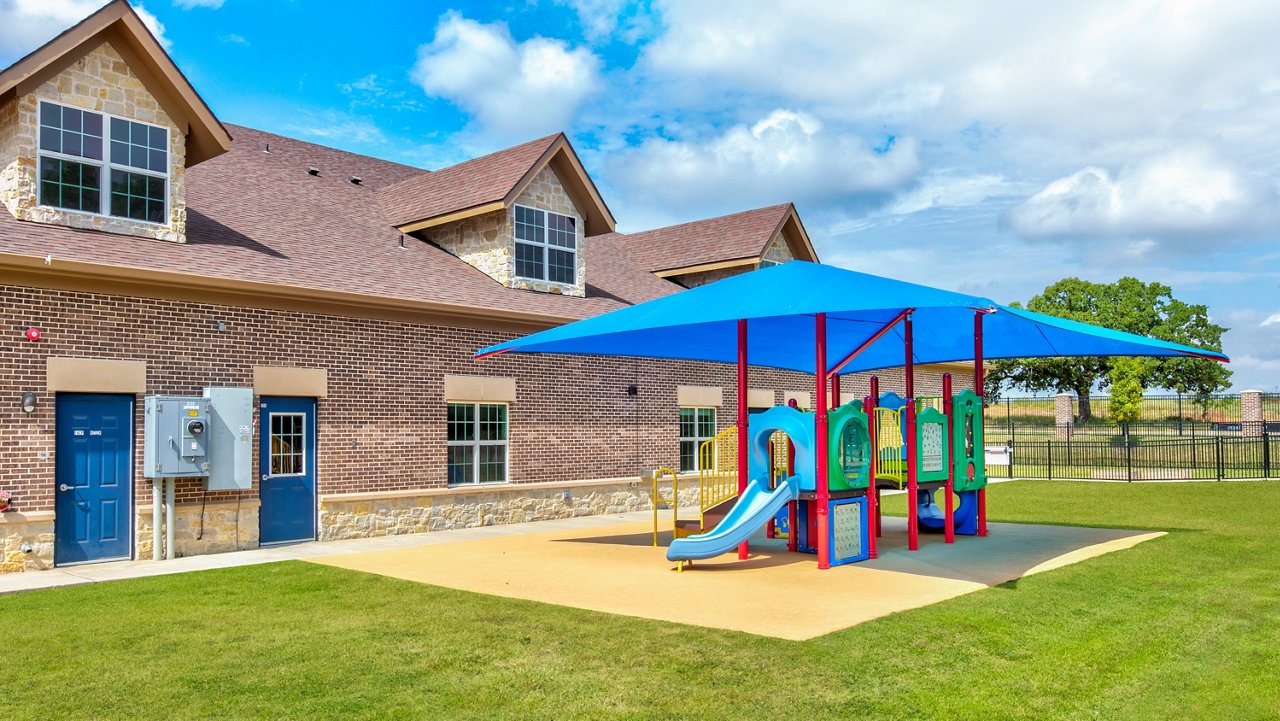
x=313, y=170
x=356, y=180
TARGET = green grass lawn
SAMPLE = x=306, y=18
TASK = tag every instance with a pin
x=1182, y=627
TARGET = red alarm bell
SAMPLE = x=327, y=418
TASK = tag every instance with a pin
x=33, y=334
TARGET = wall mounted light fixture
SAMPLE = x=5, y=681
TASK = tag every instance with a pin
x=28, y=401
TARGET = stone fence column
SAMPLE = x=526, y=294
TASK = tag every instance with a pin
x=1251, y=414
x=1063, y=415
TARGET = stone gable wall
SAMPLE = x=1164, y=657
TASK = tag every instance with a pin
x=101, y=81
x=487, y=242
x=778, y=251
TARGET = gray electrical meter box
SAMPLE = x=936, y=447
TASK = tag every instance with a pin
x=230, y=439
x=175, y=437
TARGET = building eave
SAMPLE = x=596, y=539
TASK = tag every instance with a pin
x=707, y=267
x=76, y=275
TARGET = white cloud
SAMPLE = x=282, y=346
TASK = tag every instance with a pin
x=367, y=84
x=27, y=24
x=514, y=90
x=1117, y=100
x=189, y=4
x=785, y=156
x=953, y=189
x=334, y=127
x=611, y=19
x=1188, y=194
x=234, y=39
x=1095, y=66
x=1273, y=319
x=598, y=17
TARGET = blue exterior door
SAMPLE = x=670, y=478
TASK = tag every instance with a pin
x=287, y=464
x=93, y=477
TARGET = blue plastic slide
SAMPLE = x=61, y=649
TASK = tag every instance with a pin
x=931, y=517
x=754, y=508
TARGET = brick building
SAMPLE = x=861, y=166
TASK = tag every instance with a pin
x=156, y=251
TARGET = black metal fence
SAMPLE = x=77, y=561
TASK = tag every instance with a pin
x=1014, y=420
x=1216, y=457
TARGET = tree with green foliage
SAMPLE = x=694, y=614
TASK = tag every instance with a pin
x=1129, y=305
x=1126, y=391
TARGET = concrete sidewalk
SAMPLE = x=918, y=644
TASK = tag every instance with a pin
x=117, y=570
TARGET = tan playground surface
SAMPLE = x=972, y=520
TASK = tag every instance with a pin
x=616, y=569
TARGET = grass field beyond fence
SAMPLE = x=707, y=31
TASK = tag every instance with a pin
x=1183, y=627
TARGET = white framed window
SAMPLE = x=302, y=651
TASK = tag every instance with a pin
x=477, y=440
x=101, y=164
x=766, y=263
x=546, y=245
x=697, y=424
x=288, y=444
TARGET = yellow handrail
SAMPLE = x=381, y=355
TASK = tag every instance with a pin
x=889, y=460
x=675, y=499
x=717, y=471
x=934, y=402
x=780, y=445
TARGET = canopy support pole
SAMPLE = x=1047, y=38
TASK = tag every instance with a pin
x=979, y=383
x=874, y=385
x=949, y=522
x=913, y=533
x=835, y=391
x=872, y=508
x=823, y=494
x=743, y=471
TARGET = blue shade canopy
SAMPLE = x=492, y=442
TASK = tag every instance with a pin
x=780, y=304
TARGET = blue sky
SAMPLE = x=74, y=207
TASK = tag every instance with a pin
x=991, y=148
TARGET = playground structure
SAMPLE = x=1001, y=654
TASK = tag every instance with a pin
x=947, y=458
x=832, y=493
x=790, y=310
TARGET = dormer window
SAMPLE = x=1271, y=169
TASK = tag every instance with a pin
x=546, y=245
x=74, y=160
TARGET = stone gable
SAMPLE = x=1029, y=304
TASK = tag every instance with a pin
x=100, y=81
x=778, y=251
x=487, y=242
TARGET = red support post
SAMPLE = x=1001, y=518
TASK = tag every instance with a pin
x=913, y=533
x=979, y=382
x=793, y=515
x=820, y=441
x=873, y=495
x=743, y=471
x=949, y=521
x=835, y=392
x=875, y=450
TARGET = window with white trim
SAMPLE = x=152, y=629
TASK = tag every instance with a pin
x=546, y=245
x=288, y=440
x=697, y=425
x=477, y=439
x=123, y=172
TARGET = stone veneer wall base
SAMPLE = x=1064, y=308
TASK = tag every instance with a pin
x=366, y=515
x=35, y=529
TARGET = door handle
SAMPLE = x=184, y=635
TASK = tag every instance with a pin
x=63, y=487
x=266, y=476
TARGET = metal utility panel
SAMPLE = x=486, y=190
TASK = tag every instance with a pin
x=175, y=437
x=230, y=438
